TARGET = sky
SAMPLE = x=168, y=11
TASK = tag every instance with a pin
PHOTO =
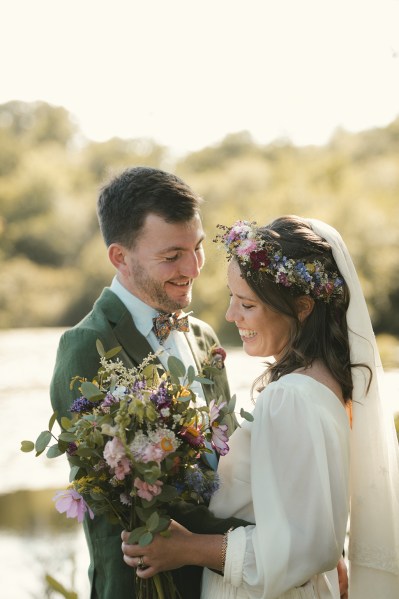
x=187, y=73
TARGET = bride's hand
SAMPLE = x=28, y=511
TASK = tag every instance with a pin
x=163, y=553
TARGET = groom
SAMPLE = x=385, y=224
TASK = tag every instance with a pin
x=151, y=224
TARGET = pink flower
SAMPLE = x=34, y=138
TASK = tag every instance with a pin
x=214, y=410
x=246, y=248
x=122, y=468
x=152, y=453
x=114, y=454
x=71, y=502
x=219, y=436
x=147, y=491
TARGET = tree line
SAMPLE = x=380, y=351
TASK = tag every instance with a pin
x=53, y=260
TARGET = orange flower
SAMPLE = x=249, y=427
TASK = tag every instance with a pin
x=166, y=444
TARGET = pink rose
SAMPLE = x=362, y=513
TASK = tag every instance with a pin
x=147, y=491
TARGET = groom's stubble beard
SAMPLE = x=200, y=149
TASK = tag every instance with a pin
x=152, y=292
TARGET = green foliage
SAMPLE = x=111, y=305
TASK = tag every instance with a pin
x=56, y=586
x=53, y=260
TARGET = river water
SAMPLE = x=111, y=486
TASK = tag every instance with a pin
x=34, y=538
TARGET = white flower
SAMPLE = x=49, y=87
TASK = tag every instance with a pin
x=119, y=392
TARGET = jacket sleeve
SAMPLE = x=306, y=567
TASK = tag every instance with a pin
x=199, y=519
x=77, y=355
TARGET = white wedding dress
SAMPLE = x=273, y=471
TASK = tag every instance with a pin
x=288, y=471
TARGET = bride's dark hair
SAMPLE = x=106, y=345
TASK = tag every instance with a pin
x=323, y=334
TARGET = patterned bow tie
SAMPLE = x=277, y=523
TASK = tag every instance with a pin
x=165, y=323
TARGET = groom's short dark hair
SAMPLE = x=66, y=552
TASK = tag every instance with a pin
x=125, y=202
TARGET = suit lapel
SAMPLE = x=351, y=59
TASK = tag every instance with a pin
x=135, y=347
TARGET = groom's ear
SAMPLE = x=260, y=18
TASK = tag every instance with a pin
x=304, y=307
x=117, y=257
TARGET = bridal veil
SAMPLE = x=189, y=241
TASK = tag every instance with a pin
x=374, y=476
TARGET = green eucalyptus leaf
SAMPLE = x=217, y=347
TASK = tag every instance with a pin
x=91, y=391
x=184, y=398
x=176, y=367
x=203, y=380
x=246, y=415
x=98, y=438
x=52, y=421
x=152, y=474
x=42, y=441
x=190, y=374
x=153, y=522
x=163, y=525
x=231, y=405
x=85, y=452
x=66, y=423
x=112, y=352
x=143, y=513
x=136, y=534
x=146, y=538
x=67, y=437
x=100, y=348
x=74, y=460
x=27, y=446
x=54, y=451
x=73, y=473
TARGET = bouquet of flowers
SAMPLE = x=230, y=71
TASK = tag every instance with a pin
x=135, y=443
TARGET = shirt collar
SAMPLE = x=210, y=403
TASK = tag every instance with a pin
x=141, y=312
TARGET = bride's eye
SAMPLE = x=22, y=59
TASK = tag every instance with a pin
x=247, y=306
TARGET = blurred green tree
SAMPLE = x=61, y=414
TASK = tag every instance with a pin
x=52, y=255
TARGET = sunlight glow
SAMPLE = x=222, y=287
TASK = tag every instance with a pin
x=187, y=73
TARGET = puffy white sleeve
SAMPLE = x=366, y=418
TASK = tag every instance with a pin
x=299, y=484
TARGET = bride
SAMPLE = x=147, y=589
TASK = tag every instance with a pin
x=302, y=464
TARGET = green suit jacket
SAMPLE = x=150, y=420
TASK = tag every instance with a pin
x=112, y=323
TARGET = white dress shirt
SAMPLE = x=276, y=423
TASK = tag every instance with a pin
x=176, y=343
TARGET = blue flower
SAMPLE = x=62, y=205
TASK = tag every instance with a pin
x=203, y=483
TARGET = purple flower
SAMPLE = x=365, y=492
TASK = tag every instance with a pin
x=192, y=435
x=82, y=404
x=72, y=503
x=71, y=449
x=161, y=397
x=109, y=400
x=283, y=279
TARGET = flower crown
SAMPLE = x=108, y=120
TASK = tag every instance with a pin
x=243, y=242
